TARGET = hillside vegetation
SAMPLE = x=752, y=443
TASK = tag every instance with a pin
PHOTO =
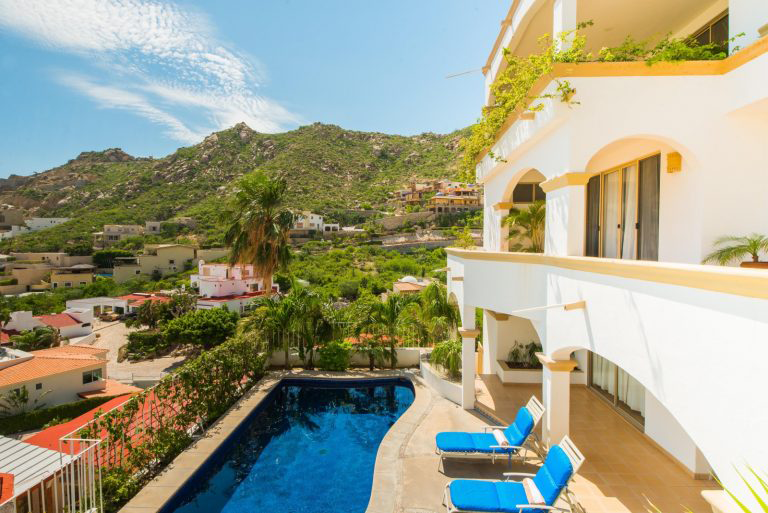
x=329, y=170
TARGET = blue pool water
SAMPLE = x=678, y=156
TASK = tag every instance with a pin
x=310, y=448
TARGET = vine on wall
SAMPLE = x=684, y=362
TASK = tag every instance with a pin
x=511, y=91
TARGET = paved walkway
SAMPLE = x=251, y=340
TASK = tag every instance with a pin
x=112, y=336
x=623, y=470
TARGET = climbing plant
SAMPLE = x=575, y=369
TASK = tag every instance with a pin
x=512, y=89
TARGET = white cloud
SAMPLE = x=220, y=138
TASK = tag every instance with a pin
x=153, y=59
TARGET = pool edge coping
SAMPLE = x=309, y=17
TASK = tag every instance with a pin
x=386, y=475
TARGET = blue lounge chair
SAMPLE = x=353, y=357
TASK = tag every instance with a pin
x=509, y=496
x=512, y=440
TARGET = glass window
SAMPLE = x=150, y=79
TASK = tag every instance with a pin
x=539, y=193
x=523, y=193
x=38, y=386
x=91, y=376
x=714, y=32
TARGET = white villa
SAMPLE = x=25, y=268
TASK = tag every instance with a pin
x=235, y=287
x=641, y=176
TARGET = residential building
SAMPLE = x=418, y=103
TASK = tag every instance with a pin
x=409, y=285
x=100, y=305
x=448, y=203
x=34, y=272
x=642, y=171
x=156, y=227
x=157, y=259
x=307, y=221
x=72, y=324
x=153, y=227
x=134, y=301
x=235, y=286
x=13, y=222
x=77, y=275
x=53, y=376
x=114, y=233
x=55, y=259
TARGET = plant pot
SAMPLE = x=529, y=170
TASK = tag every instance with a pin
x=754, y=265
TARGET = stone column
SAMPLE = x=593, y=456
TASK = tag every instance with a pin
x=468, y=336
x=556, y=392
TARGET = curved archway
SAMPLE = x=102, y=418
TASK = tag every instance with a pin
x=524, y=176
x=604, y=155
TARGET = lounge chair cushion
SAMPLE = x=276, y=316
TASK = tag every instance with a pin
x=519, y=430
x=475, y=495
x=467, y=442
x=554, y=474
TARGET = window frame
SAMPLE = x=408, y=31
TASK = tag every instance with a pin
x=620, y=168
x=93, y=375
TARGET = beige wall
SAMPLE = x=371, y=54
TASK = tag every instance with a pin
x=63, y=387
x=123, y=273
x=161, y=262
x=11, y=217
x=58, y=280
x=58, y=259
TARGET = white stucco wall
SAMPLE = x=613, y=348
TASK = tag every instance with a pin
x=701, y=354
x=60, y=388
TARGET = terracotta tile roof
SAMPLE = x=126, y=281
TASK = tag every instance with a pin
x=113, y=388
x=138, y=299
x=405, y=286
x=5, y=336
x=49, y=438
x=61, y=320
x=48, y=362
x=6, y=487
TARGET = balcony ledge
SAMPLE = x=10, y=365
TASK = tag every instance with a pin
x=729, y=280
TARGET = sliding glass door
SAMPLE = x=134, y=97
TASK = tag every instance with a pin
x=618, y=387
x=623, y=212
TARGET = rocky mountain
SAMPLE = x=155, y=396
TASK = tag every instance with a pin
x=329, y=170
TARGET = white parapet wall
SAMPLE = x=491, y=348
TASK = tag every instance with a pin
x=406, y=357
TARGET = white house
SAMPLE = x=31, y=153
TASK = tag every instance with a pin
x=235, y=286
x=642, y=171
x=72, y=323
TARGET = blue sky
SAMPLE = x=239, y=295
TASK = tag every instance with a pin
x=149, y=76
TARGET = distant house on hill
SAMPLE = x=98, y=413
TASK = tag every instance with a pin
x=72, y=323
x=157, y=259
x=30, y=272
x=13, y=222
x=235, y=287
x=114, y=233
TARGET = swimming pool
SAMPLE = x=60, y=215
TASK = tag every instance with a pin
x=309, y=447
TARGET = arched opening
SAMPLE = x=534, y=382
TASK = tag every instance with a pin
x=624, y=195
x=521, y=192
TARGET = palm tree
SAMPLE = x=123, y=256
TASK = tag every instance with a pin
x=277, y=319
x=41, y=337
x=736, y=248
x=528, y=225
x=433, y=317
x=315, y=322
x=258, y=225
x=389, y=316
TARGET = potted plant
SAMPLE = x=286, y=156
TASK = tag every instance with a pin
x=736, y=248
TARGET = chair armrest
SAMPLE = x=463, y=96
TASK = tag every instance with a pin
x=505, y=447
x=488, y=428
x=507, y=475
x=540, y=506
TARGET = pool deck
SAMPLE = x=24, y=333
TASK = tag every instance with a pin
x=622, y=468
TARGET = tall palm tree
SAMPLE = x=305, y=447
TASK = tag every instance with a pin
x=527, y=224
x=433, y=317
x=258, y=224
x=389, y=316
x=736, y=248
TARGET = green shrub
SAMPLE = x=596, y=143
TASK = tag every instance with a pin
x=145, y=344
x=447, y=354
x=334, y=356
x=9, y=281
x=37, y=419
x=208, y=328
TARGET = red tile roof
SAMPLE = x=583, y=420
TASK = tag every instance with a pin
x=139, y=299
x=6, y=487
x=49, y=438
x=113, y=388
x=48, y=362
x=61, y=320
x=5, y=336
